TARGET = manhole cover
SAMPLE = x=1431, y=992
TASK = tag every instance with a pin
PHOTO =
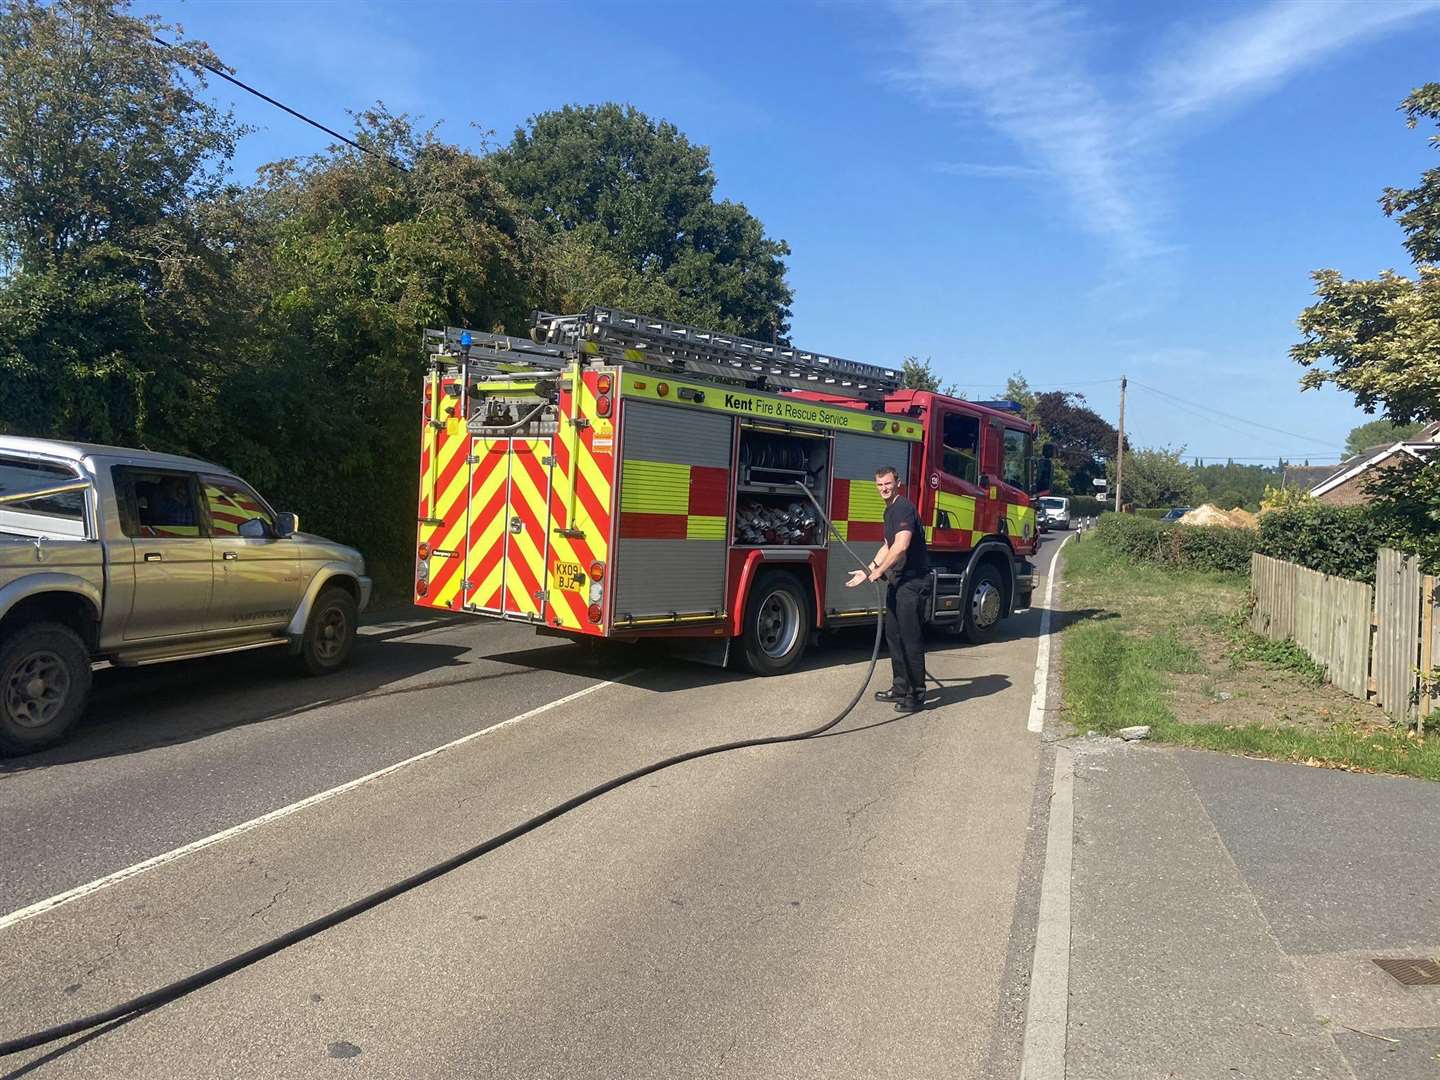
x=1411, y=972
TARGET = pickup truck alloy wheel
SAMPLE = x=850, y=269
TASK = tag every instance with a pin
x=330, y=633
x=36, y=689
x=44, y=680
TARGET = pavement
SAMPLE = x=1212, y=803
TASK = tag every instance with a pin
x=942, y=895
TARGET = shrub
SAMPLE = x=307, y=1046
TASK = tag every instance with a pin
x=1338, y=540
x=1154, y=513
x=1195, y=547
x=1087, y=506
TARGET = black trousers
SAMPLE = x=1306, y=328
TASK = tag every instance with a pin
x=905, y=635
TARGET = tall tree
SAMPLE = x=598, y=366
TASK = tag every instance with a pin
x=1083, y=439
x=1378, y=433
x=352, y=259
x=920, y=375
x=1380, y=339
x=637, y=190
x=1158, y=477
x=113, y=280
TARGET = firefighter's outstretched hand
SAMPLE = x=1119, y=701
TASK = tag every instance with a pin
x=857, y=577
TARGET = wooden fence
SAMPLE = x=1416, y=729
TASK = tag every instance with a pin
x=1328, y=617
x=1373, y=643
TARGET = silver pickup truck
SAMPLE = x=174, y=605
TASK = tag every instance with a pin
x=135, y=557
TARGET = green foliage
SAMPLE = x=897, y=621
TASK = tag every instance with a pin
x=1378, y=433
x=1087, y=506
x=1418, y=208
x=1083, y=439
x=1157, y=477
x=1405, y=506
x=1280, y=655
x=115, y=294
x=636, y=190
x=349, y=260
x=1339, y=540
x=1230, y=485
x=920, y=375
x=1380, y=339
x=1193, y=547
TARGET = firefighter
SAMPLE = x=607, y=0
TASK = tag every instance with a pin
x=905, y=565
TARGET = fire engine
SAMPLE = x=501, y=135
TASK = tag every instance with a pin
x=622, y=477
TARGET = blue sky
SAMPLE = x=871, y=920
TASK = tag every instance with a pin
x=1070, y=190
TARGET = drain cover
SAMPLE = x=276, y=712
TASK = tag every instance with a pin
x=1411, y=972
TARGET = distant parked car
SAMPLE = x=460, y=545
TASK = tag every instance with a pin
x=135, y=557
x=1055, y=512
x=1176, y=513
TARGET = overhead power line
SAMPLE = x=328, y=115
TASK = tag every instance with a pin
x=1232, y=416
x=286, y=108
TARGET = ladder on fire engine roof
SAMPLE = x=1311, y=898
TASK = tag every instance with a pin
x=622, y=338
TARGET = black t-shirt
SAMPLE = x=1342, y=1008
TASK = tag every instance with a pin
x=901, y=515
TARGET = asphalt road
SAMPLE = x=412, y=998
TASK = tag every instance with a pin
x=850, y=906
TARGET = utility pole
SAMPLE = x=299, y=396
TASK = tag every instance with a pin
x=1120, y=451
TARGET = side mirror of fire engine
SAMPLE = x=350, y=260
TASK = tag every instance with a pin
x=286, y=525
x=1044, y=472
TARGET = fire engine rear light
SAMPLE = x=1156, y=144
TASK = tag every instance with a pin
x=597, y=570
x=423, y=550
x=602, y=405
x=594, y=614
x=422, y=587
x=663, y=389
x=422, y=570
x=597, y=592
x=603, y=384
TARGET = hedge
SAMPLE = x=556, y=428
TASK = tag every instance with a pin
x=1087, y=506
x=1338, y=540
x=1194, y=547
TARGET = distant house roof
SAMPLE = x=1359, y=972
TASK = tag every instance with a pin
x=1421, y=444
x=1305, y=476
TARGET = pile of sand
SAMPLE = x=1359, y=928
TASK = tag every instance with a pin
x=1210, y=514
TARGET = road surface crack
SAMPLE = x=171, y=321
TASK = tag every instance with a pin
x=273, y=899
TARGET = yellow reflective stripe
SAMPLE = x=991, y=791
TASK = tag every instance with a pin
x=654, y=487
x=960, y=508
x=976, y=536
x=842, y=528
x=704, y=528
x=865, y=502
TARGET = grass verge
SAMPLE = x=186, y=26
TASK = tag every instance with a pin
x=1137, y=635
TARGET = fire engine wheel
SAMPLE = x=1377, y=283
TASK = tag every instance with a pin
x=44, y=681
x=984, y=605
x=777, y=625
x=330, y=633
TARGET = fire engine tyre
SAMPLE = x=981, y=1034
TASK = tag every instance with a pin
x=984, y=605
x=777, y=625
x=44, y=682
x=330, y=633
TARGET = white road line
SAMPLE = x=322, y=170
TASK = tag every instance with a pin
x=80, y=891
x=1036, y=722
x=1047, y=1015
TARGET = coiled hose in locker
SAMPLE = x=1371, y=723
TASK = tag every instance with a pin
x=190, y=983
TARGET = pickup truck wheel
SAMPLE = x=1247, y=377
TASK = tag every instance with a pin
x=44, y=681
x=984, y=605
x=330, y=633
x=777, y=625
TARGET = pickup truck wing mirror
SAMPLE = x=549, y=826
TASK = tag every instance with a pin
x=254, y=529
x=286, y=525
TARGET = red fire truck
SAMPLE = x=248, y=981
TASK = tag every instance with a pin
x=621, y=477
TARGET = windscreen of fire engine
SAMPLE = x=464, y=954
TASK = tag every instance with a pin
x=1016, y=466
x=961, y=437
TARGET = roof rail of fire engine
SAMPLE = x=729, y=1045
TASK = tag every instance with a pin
x=499, y=354
x=622, y=337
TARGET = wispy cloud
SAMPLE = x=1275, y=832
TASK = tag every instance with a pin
x=1029, y=70
x=990, y=172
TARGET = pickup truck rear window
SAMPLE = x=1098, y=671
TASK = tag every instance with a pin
x=62, y=514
